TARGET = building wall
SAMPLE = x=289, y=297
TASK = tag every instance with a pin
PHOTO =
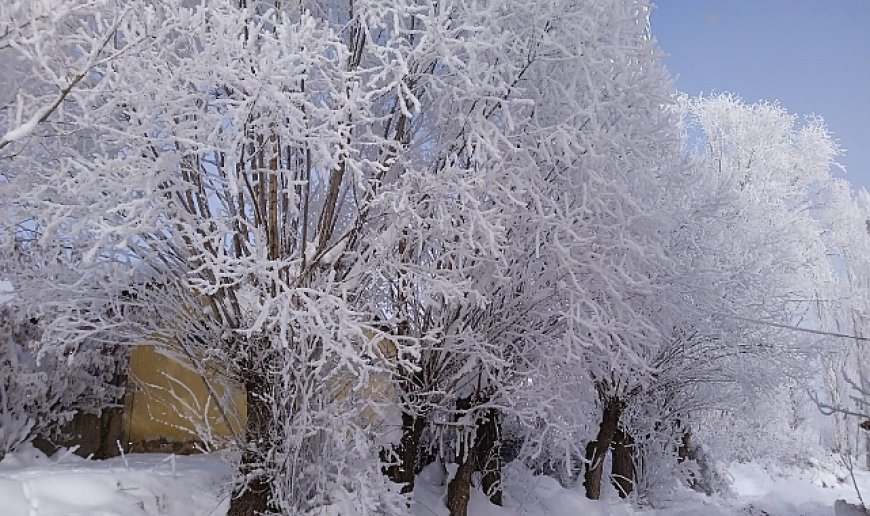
x=169, y=405
x=168, y=402
x=380, y=389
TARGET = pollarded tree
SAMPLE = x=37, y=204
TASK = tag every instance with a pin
x=604, y=175
x=579, y=240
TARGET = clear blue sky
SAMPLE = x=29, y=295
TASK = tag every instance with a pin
x=811, y=55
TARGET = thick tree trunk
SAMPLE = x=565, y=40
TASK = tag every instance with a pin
x=484, y=455
x=459, y=488
x=488, y=455
x=256, y=498
x=254, y=501
x=596, y=451
x=685, y=452
x=407, y=451
x=623, y=463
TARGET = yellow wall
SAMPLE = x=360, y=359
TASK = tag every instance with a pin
x=168, y=400
x=380, y=388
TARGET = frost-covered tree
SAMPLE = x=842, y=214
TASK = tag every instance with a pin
x=846, y=375
x=230, y=192
x=272, y=189
x=740, y=252
x=44, y=384
x=763, y=258
x=581, y=239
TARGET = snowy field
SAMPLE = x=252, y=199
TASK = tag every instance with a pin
x=32, y=484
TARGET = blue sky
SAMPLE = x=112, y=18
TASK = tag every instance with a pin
x=811, y=55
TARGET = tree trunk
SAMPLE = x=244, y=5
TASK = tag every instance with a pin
x=623, y=463
x=484, y=455
x=488, y=455
x=459, y=489
x=685, y=452
x=255, y=499
x=865, y=389
x=596, y=451
x=407, y=452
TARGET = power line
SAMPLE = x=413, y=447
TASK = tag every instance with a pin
x=797, y=328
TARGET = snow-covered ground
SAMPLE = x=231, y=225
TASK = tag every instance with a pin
x=155, y=484
x=32, y=484
x=755, y=492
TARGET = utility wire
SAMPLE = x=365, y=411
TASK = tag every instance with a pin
x=797, y=328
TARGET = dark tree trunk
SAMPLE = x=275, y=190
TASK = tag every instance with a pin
x=459, y=488
x=256, y=498
x=402, y=461
x=406, y=452
x=254, y=501
x=623, y=463
x=685, y=451
x=484, y=455
x=488, y=455
x=596, y=451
